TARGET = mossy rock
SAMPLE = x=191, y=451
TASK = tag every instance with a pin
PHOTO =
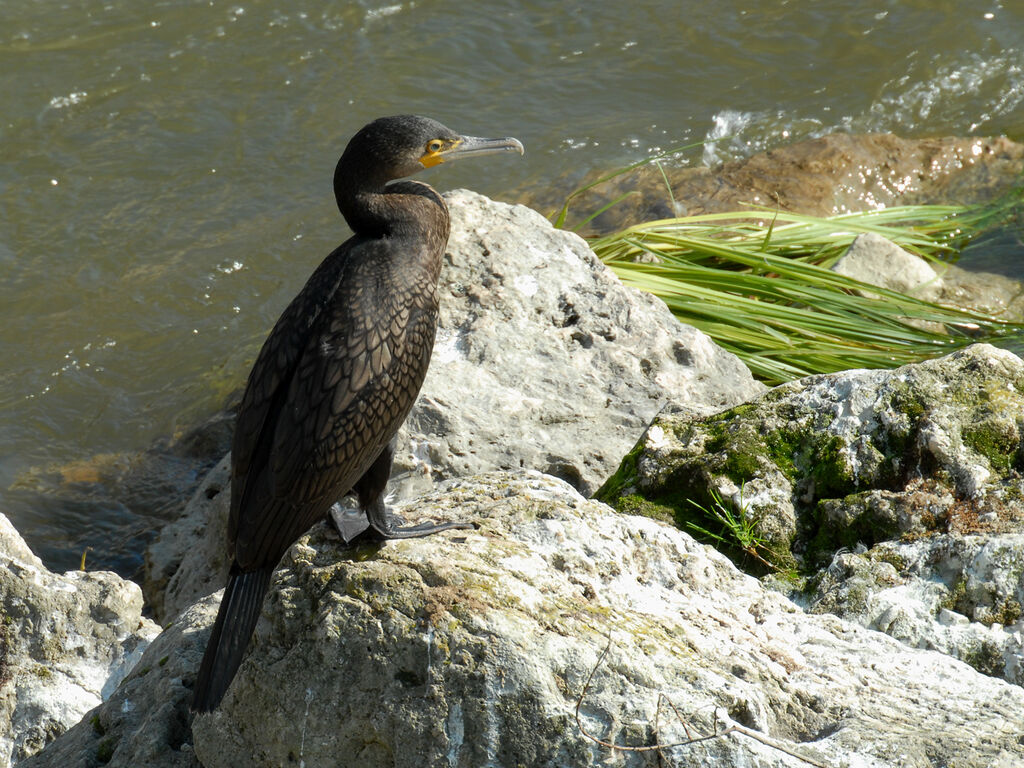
x=835, y=461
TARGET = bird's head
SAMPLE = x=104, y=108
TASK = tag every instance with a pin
x=395, y=147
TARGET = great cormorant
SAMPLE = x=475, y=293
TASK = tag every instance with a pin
x=338, y=374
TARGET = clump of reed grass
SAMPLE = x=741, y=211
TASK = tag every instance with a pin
x=758, y=282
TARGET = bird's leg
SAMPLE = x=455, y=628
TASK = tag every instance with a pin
x=373, y=522
x=352, y=523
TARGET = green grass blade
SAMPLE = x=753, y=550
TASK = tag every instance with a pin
x=758, y=283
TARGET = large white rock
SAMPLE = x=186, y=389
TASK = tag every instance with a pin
x=473, y=648
x=544, y=360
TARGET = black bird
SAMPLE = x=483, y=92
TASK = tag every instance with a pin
x=338, y=374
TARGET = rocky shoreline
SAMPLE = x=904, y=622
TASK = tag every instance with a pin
x=891, y=502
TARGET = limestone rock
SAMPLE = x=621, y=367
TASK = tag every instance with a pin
x=961, y=595
x=902, y=486
x=543, y=360
x=473, y=648
x=188, y=559
x=66, y=641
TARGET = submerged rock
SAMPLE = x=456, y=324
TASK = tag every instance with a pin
x=475, y=648
x=836, y=173
x=832, y=174
x=543, y=360
x=128, y=496
x=66, y=642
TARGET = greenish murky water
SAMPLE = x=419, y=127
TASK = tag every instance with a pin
x=165, y=168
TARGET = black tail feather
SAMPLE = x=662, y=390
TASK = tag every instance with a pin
x=236, y=620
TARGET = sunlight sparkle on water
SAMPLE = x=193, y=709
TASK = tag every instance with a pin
x=59, y=102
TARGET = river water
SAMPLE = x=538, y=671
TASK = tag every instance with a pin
x=165, y=168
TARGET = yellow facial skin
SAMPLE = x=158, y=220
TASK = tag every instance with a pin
x=435, y=150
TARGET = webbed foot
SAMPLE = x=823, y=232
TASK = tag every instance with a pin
x=349, y=522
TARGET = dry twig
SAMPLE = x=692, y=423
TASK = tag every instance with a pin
x=691, y=739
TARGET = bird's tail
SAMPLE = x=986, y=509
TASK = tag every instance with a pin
x=236, y=620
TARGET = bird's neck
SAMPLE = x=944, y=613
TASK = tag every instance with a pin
x=401, y=208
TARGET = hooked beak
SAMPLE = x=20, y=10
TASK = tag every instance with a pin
x=471, y=146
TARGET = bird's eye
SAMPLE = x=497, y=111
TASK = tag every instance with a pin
x=434, y=145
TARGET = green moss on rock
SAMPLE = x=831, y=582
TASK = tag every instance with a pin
x=997, y=440
x=986, y=657
x=829, y=468
x=880, y=474
x=1006, y=613
x=843, y=523
x=739, y=448
x=625, y=476
x=893, y=558
x=635, y=504
x=956, y=598
x=105, y=750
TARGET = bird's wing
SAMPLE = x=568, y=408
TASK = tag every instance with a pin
x=359, y=371
x=268, y=385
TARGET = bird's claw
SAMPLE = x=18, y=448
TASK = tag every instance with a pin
x=355, y=527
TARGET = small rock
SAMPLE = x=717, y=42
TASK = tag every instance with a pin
x=948, y=618
x=66, y=642
x=873, y=259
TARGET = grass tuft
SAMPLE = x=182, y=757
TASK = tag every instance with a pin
x=758, y=282
x=735, y=529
